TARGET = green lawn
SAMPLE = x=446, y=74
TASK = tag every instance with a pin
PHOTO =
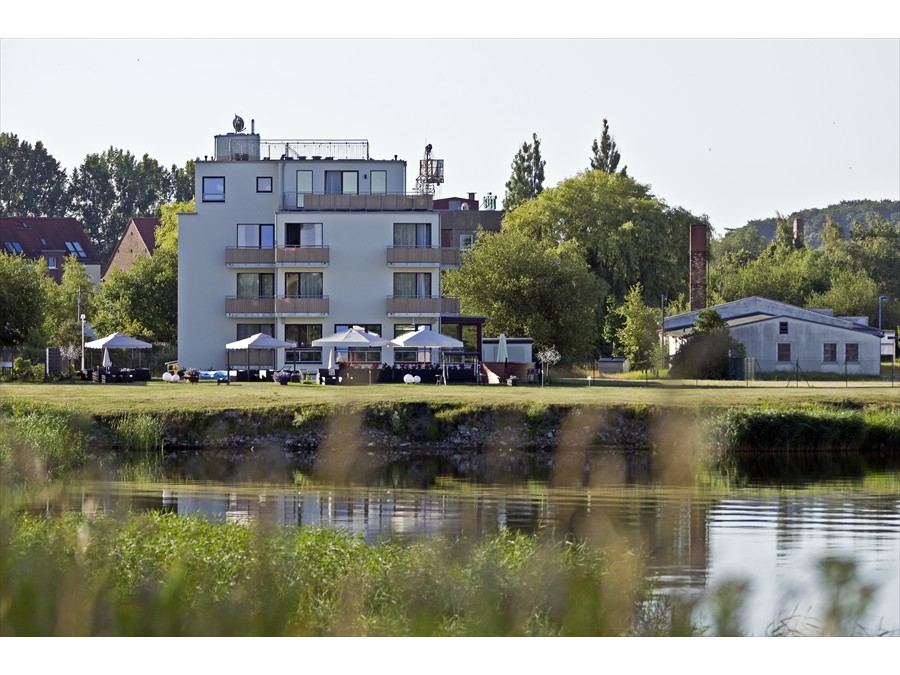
x=158, y=396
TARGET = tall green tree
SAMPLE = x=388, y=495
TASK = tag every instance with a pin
x=182, y=181
x=22, y=298
x=527, y=179
x=622, y=231
x=110, y=188
x=525, y=288
x=32, y=183
x=65, y=301
x=143, y=300
x=637, y=337
x=605, y=156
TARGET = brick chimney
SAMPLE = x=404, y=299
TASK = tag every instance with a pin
x=699, y=264
x=798, y=232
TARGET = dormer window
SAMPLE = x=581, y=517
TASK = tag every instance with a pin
x=75, y=249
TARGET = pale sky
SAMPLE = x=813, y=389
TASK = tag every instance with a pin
x=733, y=128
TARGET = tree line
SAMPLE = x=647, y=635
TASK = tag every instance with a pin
x=104, y=192
x=590, y=265
x=141, y=301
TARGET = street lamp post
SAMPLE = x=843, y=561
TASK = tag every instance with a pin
x=82, y=343
x=881, y=298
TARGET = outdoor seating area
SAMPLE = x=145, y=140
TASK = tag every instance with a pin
x=119, y=375
x=107, y=373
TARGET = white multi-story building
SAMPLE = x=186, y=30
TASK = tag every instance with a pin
x=302, y=239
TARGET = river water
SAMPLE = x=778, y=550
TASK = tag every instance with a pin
x=765, y=523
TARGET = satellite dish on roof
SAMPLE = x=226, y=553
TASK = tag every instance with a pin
x=238, y=123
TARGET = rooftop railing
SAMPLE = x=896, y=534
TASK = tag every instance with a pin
x=316, y=201
x=314, y=149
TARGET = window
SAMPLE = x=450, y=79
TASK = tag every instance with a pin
x=378, y=182
x=263, y=183
x=784, y=352
x=303, y=284
x=303, y=334
x=412, y=284
x=304, y=185
x=245, y=330
x=851, y=352
x=51, y=262
x=466, y=241
x=251, y=235
x=467, y=333
x=412, y=235
x=254, y=285
x=13, y=246
x=341, y=182
x=374, y=328
x=76, y=249
x=782, y=327
x=214, y=188
x=43, y=242
x=829, y=352
x=303, y=234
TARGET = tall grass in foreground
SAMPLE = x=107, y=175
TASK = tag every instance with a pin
x=41, y=441
x=159, y=574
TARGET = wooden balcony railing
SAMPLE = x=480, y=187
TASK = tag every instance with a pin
x=281, y=305
x=399, y=305
x=414, y=255
x=249, y=305
x=300, y=255
x=303, y=306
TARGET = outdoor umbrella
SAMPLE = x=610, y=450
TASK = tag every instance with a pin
x=502, y=352
x=352, y=337
x=107, y=362
x=425, y=338
x=117, y=341
x=258, y=341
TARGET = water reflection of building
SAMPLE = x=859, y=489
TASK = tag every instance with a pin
x=671, y=527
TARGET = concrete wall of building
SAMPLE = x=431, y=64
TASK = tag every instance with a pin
x=357, y=279
x=807, y=340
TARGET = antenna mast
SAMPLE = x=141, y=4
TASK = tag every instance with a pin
x=431, y=173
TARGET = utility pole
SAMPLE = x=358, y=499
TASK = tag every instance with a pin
x=662, y=332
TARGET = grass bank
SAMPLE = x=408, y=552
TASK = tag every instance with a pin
x=158, y=397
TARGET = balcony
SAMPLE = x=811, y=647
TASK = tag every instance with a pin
x=246, y=257
x=421, y=306
x=249, y=306
x=414, y=256
x=302, y=255
x=301, y=306
x=309, y=256
x=298, y=201
x=281, y=305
